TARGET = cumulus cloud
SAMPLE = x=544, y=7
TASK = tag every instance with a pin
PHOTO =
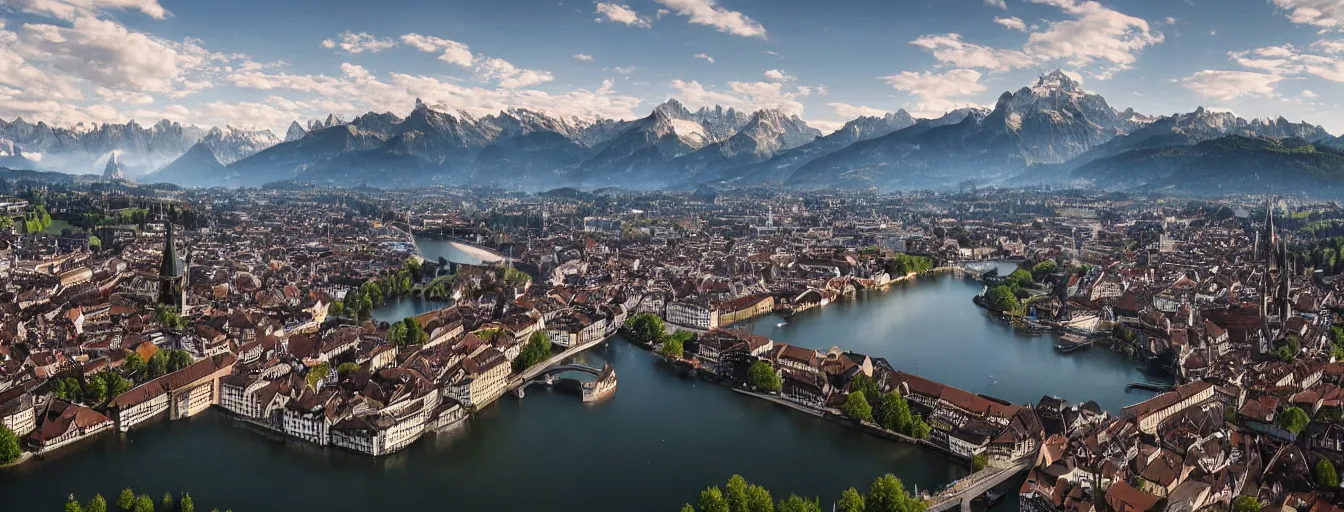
x=745, y=96
x=997, y=3
x=1289, y=60
x=359, y=42
x=937, y=92
x=450, y=51
x=708, y=12
x=950, y=49
x=583, y=57
x=702, y=55
x=618, y=13
x=1328, y=14
x=776, y=75
x=71, y=9
x=1012, y=23
x=509, y=76
x=1095, y=34
x=1227, y=85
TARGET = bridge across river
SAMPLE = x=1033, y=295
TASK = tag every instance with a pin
x=963, y=491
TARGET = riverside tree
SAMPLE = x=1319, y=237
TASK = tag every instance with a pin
x=762, y=376
x=856, y=407
x=9, y=446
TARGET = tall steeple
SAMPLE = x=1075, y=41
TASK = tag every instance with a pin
x=171, y=283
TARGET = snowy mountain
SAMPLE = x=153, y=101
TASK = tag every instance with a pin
x=231, y=144
x=295, y=132
x=112, y=171
x=765, y=134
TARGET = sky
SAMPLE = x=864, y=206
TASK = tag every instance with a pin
x=262, y=64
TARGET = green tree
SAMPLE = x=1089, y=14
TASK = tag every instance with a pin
x=178, y=359
x=95, y=390
x=318, y=373
x=1002, y=297
x=187, y=504
x=96, y=504
x=144, y=503
x=1325, y=474
x=759, y=499
x=9, y=446
x=413, y=266
x=672, y=348
x=687, y=508
x=167, y=501
x=1043, y=269
x=735, y=493
x=795, y=503
x=536, y=351
x=762, y=376
x=918, y=428
x=888, y=494
x=1293, y=419
x=396, y=334
x=856, y=407
x=95, y=243
x=73, y=506
x=345, y=369
x=850, y=501
x=115, y=383
x=979, y=462
x=894, y=413
x=126, y=500
x=866, y=385
x=134, y=364
x=645, y=328
x=1245, y=504
x=158, y=364
x=711, y=500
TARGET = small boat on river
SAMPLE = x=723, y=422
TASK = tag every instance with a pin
x=1069, y=343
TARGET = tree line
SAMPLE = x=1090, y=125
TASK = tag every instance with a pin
x=886, y=494
x=129, y=501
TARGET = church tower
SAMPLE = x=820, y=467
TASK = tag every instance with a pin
x=171, y=279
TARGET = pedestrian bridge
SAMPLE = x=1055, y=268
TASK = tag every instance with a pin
x=548, y=375
x=960, y=494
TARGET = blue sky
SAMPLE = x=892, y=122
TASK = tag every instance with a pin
x=261, y=64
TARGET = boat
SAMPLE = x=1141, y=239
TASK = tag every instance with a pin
x=1072, y=343
x=781, y=324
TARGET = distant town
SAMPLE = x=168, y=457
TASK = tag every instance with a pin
x=124, y=306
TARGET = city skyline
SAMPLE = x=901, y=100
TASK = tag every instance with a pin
x=257, y=65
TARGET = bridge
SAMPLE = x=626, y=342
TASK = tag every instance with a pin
x=963, y=491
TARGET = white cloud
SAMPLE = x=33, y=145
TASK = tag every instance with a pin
x=509, y=76
x=1328, y=14
x=619, y=13
x=70, y=9
x=105, y=53
x=583, y=57
x=772, y=53
x=1096, y=34
x=1012, y=23
x=702, y=55
x=848, y=111
x=997, y=3
x=1308, y=94
x=1289, y=60
x=453, y=52
x=707, y=12
x=949, y=49
x=359, y=42
x=776, y=75
x=1329, y=46
x=1226, y=85
x=621, y=70
x=937, y=92
x=745, y=96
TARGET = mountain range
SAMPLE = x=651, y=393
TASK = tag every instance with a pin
x=1051, y=131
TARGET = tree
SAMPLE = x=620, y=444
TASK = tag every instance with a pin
x=866, y=385
x=96, y=504
x=413, y=266
x=126, y=500
x=1293, y=419
x=735, y=493
x=1043, y=269
x=345, y=369
x=95, y=243
x=144, y=503
x=918, y=429
x=850, y=501
x=687, y=508
x=795, y=503
x=856, y=407
x=415, y=334
x=537, y=351
x=95, y=390
x=187, y=504
x=1245, y=504
x=1325, y=474
x=73, y=506
x=1002, y=297
x=672, y=348
x=178, y=359
x=167, y=501
x=645, y=328
x=9, y=446
x=134, y=364
x=894, y=413
x=158, y=364
x=888, y=494
x=762, y=376
x=979, y=462
x=318, y=373
x=711, y=500
x=396, y=334
x=115, y=383
x=759, y=500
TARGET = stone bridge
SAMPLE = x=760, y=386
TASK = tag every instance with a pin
x=963, y=491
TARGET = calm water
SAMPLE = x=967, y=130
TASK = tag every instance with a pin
x=652, y=446
x=931, y=328
x=411, y=306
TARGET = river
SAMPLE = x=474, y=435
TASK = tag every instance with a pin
x=653, y=445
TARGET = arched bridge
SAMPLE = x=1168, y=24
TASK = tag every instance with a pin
x=547, y=376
